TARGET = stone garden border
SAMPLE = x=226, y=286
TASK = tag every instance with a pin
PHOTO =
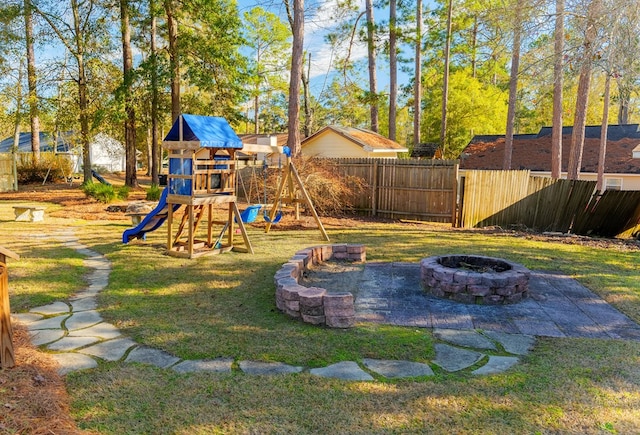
x=314, y=304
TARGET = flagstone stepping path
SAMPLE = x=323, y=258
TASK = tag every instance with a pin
x=79, y=338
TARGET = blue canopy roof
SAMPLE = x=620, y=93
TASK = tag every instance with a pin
x=210, y=131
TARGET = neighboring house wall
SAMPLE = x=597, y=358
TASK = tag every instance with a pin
x=611, y=181
x=330, y=144
x=107, y=153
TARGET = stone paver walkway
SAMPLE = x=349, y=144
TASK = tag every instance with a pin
x=79, y=338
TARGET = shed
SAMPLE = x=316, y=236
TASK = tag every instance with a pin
x=107, y=154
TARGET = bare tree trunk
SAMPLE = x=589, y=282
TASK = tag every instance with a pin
x=16, y=125
x=31, y=80
x=131, y=177
x=603, y=134
x=296, y=76
x=373, y=80
x=83, y=100
x=174, y=59
x=308, y=116
x=474, y=48
x=624, y=96
x=445, y=80
x=155, y=140
x=256, y=109
x=513, y=88
x=417, y=85
x=393, y=69
x=582, y=100
x=556, y=126
x=149, y=139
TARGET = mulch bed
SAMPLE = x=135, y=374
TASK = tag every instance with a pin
x=34, y=397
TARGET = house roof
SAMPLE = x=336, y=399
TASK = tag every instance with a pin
x=207, y=131
x=533, y=151
x=367, y=139
x=46, y=143
x=427, y=150
x=253, y=138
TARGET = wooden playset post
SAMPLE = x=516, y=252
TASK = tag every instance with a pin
x=7, y=358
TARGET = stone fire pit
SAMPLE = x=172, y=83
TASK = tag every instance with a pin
x=475, y=279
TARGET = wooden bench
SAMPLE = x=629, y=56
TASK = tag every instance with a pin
x=26, y=213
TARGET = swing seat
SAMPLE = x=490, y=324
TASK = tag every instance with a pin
x=276, y=218
x=250, y=214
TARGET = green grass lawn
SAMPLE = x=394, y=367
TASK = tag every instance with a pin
x=223, y=306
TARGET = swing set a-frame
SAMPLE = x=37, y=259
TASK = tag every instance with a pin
x=287, y=194
x=291, y=190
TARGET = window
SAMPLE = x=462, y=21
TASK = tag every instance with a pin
x=613, y=184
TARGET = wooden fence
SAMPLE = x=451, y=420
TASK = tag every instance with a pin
x=515, y=198
x=6, y=172
x=402, y=188
x=610, y=214
x=507, y=198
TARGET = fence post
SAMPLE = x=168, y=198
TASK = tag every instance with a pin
x=7, y=358
x=374, y=190
x=459, y=221
x=454, y=206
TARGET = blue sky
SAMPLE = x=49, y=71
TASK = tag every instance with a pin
x=318, y=23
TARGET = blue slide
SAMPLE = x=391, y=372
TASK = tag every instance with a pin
x=151, y=221
x=99, y=178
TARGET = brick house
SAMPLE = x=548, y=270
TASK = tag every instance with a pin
x=533, y=152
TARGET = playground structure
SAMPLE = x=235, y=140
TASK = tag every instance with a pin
x=202, y=174
x=7, y=357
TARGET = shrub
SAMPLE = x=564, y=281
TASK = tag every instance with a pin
x=122, y=192
x=54, y=167
x=102, y=192
x=153, y=193
x=332, y=193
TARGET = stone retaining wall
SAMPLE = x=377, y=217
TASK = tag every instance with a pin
x=314, y=304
